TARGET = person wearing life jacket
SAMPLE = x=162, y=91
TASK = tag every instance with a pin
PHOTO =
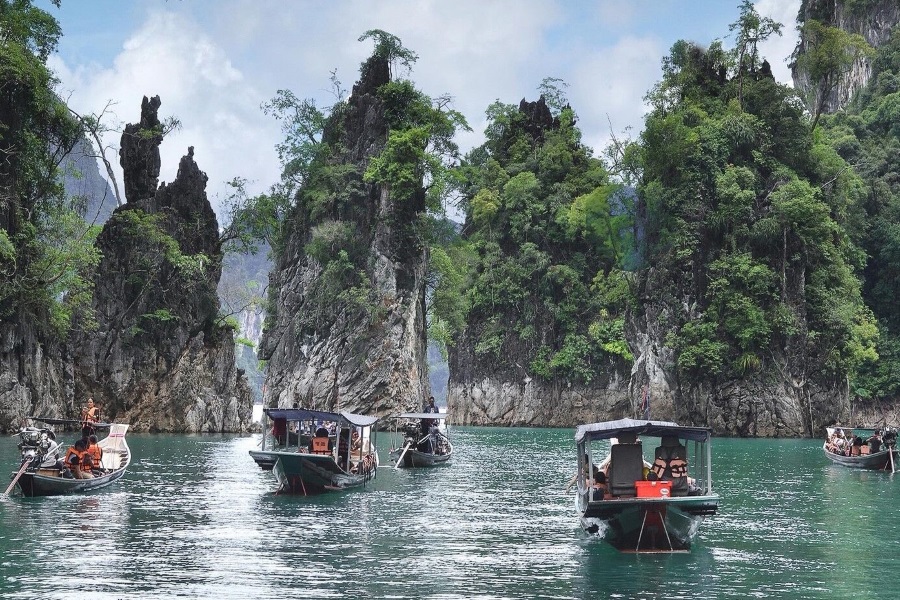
x=321, y=443
x=96, y=453
x=90, y=414
x=75, y=459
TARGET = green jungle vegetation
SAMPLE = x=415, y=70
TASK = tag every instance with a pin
x=778, y=223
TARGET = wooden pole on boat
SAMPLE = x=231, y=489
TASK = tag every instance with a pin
x=22, y=469
x=400, y=458
x=891, y=455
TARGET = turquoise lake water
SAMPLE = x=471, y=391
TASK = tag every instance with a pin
x=195, y=518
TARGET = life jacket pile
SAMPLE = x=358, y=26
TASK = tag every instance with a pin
x=676, y=465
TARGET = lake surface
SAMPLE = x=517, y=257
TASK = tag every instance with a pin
x=196, y=518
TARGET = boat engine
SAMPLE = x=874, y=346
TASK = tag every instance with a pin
x=889, y=437
x=38, y=445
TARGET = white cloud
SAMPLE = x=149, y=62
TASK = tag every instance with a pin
x=214, y=64
x=778, y=49
x=217, y=105
x=609, y=87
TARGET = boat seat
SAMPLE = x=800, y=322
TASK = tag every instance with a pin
x=626, y=466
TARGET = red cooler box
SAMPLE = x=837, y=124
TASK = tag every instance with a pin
x=653, y=489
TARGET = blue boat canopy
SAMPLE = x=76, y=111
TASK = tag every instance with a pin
x=422, y=416
x=611, y=429
x=306, y=414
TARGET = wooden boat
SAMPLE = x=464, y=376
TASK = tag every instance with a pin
x=424, y=443
x=41, y=473
x=622, y=498
x=303, y=469
x=886, y=458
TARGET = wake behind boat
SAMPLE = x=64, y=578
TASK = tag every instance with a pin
x=638, y=506
x=424, y=443
x=862, y=448
x=43, y=473
x=316, y=451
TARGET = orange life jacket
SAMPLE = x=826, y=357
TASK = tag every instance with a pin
x=96, y=453
x=89, y=414
x=77, y=454
x=320, y=445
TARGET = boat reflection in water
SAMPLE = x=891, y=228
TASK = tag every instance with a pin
x=316, y=451
x=642, y=506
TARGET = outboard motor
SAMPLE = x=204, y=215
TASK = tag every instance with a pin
x=889, y=437
x=38, y=446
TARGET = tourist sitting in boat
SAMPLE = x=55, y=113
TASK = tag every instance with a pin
x=321, y=443
x=96, y=454
x=874, y=442
x=856, y=443
x=838, y=442
x=75, y=460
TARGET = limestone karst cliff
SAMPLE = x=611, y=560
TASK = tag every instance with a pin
x=160, y=357
x=873, y=20
x=526, y=356
x=348, y=330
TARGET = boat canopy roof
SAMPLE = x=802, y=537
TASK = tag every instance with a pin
x=422, y=416
x=307, y=414
x=611, y=429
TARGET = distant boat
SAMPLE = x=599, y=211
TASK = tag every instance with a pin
x=638, y=506
x=41, y=474
x=321, y=454
x=424, y=443
x=885, y=459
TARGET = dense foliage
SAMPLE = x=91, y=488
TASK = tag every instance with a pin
x=747, y=217
x=867, y=135
x=45, y=246
x=546, y=235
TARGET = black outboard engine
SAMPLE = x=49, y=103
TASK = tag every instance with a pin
x=38, y=446
x=889, y=437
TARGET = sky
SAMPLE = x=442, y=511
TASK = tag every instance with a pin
x=214, y=63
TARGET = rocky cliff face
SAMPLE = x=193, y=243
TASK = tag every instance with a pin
x=34, y=376
x=510, y=397
x=160, y=358
x=336, y=354
x=791, y=395
x=872, y=20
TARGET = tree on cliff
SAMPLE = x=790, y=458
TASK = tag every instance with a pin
x=45, y=246
x=546, y=238
x=827, y=55
x=746, y=217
